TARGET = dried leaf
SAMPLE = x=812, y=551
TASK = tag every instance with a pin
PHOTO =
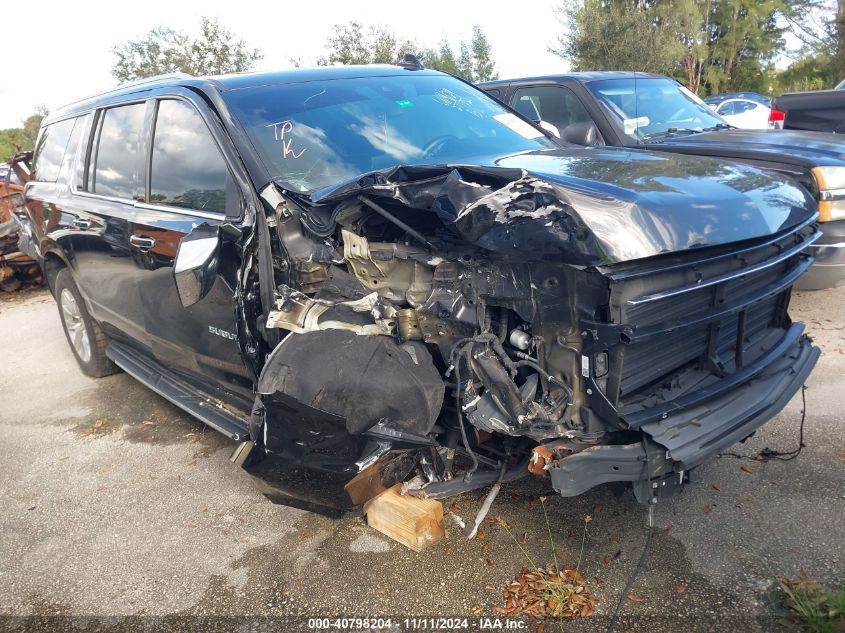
x=681, y=587
x=746, y=469
x=480, y=535
x=488, y=585
x=380, y=590
x=489, y=562
x=596, y=507
x=476, y=609
x=606, y=559
x=633, y=597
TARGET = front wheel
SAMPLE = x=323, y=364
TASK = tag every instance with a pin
x=84, y=335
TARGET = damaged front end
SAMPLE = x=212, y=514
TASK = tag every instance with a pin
x=458, y=326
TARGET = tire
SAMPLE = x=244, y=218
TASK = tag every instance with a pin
x=84, y=335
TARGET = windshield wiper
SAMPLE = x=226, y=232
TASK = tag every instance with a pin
x=718, y=126
x=672, y=131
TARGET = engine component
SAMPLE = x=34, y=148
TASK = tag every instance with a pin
x=299, y=313
x=520, y=339
x=407, y=324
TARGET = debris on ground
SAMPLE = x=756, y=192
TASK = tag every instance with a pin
x=548, y=593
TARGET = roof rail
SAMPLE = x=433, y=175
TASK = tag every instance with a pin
x=155, y=79
x=138, y=83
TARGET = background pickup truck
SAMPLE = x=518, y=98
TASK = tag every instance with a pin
x=817, y=110
x=656, y=113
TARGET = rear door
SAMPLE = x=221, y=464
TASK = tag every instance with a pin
x=188, y=182
x=105, y=186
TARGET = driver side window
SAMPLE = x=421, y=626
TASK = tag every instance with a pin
x=555, y=105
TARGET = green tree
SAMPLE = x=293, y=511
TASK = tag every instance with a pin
x=617, y=35
x=14, y=140
x=710, y=45
x=465, y=62
x=483, y=66
x=353, y=43
x=163, y=50
x=442, y=58
x=743, y=38
x=820, y=61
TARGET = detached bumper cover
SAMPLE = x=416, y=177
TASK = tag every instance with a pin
x=688, y=436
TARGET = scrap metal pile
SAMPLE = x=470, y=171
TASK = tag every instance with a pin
x=17, y=269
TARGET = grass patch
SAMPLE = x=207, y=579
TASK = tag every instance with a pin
x=818, y=608
x=547, y=592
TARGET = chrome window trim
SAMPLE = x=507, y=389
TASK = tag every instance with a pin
x=152, y=207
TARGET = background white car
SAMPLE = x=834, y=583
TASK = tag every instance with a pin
x=744, y=113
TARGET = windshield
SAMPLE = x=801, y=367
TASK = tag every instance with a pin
x=319, y=133
x=654, y=107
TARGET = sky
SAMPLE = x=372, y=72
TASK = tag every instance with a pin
x=64, y=53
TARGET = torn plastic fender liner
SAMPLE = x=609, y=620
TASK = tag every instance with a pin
x=361, y=379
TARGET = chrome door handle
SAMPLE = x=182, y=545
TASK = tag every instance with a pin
x=142, y=242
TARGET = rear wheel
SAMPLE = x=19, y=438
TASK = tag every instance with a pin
x=84, y=335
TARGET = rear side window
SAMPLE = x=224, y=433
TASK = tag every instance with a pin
x=50, y=152
x=188, y=169
x=116, y=159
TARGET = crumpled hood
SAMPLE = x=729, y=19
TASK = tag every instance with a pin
x=807, y=149
x=641, y=204
x=592, y=206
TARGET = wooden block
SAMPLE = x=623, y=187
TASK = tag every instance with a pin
x=365, y=485
x=416, y=523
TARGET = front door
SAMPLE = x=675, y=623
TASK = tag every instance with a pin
x=188, y=184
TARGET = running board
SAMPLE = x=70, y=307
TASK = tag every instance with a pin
x=170, y=387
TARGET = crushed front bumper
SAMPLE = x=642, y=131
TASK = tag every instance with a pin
x=681, y=434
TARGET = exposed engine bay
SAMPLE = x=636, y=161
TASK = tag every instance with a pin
x=440, y=313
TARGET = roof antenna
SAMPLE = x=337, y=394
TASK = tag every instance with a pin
x=411, y=62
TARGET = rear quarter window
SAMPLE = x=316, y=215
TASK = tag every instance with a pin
x=50, y=150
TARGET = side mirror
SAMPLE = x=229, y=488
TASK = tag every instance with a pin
x=582, y=133
x=195, y=267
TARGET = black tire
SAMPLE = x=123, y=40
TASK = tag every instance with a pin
x=76, y=322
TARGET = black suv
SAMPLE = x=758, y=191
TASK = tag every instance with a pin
x=363, y=273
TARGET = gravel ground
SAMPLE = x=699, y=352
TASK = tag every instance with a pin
x=115, y=503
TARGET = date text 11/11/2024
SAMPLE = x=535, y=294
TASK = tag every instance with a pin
x=417, y=624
